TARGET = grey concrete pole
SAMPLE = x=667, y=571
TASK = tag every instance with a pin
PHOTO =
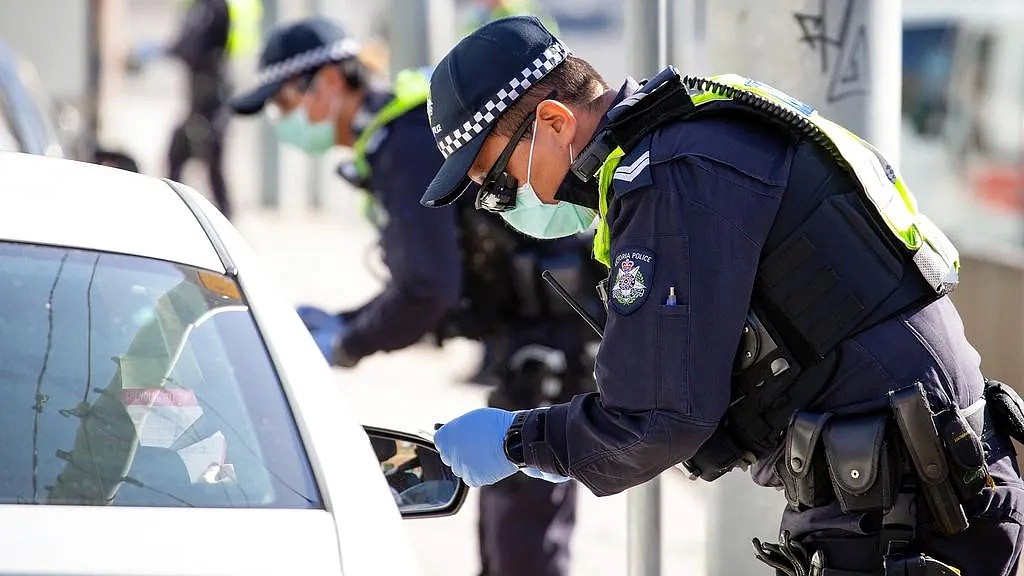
x=315, y=182
x=840, y=56
x=270, y=161
x=646, y=53
x=409, y=35
x=643, y=35
x=94, y=20
x=843, y=58
x=444, y=28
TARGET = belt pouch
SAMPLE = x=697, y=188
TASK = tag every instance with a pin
x=862, y=461
x=1007, y=409
x=802, y=466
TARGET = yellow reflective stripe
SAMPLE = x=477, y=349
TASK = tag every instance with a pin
x=371, y=209
x=412, y=88
x=897, y=208
x=938, y=240
x=244, y=28
x=603, y=235
x=705, y=97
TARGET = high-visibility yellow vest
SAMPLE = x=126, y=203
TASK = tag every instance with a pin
x=933, y=253
x=411, y=89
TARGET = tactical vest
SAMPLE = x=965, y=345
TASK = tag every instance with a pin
x=849, y=265
x=411, y=90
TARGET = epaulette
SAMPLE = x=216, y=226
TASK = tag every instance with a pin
x=634, y=169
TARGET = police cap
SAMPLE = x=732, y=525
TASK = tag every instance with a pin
x=482, y=76
x=290, y=51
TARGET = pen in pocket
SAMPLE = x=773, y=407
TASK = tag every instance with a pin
x=671, y=300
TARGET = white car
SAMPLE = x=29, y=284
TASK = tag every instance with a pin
x=164, y=411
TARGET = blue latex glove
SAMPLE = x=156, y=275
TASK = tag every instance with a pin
x=142, y=54
x=326, y=329
x=474, y=446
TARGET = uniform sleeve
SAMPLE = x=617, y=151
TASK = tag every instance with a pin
x=420, y=250
x=663, y=371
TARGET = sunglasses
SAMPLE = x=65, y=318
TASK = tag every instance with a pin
x=499, y=188
x=290, y=94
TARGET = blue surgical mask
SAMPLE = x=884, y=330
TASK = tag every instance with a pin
x=310, y=137
x=546, y=221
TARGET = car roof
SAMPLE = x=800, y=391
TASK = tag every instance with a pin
x=75, y=204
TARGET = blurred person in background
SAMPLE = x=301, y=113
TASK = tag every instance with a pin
x=212, y=31
x=453, y=272
x=775, y=303
x=484, y=11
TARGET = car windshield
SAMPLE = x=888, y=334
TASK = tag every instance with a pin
x=136, y=382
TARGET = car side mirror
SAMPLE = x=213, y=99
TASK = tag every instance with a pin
x=422, y=485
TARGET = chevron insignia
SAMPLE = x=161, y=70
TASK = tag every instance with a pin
x=630, y=172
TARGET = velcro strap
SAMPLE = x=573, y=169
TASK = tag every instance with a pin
x=975, y=415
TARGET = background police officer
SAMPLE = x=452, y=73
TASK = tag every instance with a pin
x=729, y=210
x=212, y=31
x=451, y=275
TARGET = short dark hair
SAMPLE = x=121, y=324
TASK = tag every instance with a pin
x=575, y=83
x=353, y=70
x=355, y=73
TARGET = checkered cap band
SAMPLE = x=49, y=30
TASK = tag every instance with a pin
x=307, y=60
x=493, y=108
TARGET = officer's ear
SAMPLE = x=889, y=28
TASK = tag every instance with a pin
x=559, y=119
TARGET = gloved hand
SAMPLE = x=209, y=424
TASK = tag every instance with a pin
x=143, y=54
x=342, y=358
x=540, y=474
x=788, y=557
x=326, y=329
x=474, y=446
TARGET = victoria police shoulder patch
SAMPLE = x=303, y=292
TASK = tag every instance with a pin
x=632, y=276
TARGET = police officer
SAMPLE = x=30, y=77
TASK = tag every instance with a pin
x=318, y=95
x=774, y=300
x=212, y=30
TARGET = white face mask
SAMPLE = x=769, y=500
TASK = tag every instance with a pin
x=546, y=221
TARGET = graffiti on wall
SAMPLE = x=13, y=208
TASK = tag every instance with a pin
x=841, y=45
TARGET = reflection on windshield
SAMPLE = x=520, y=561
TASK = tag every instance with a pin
x=147, y=384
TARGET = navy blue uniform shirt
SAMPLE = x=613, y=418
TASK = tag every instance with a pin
x=691, y=208
x=420, y=245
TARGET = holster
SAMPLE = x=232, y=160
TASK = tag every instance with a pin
x=921, y=439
